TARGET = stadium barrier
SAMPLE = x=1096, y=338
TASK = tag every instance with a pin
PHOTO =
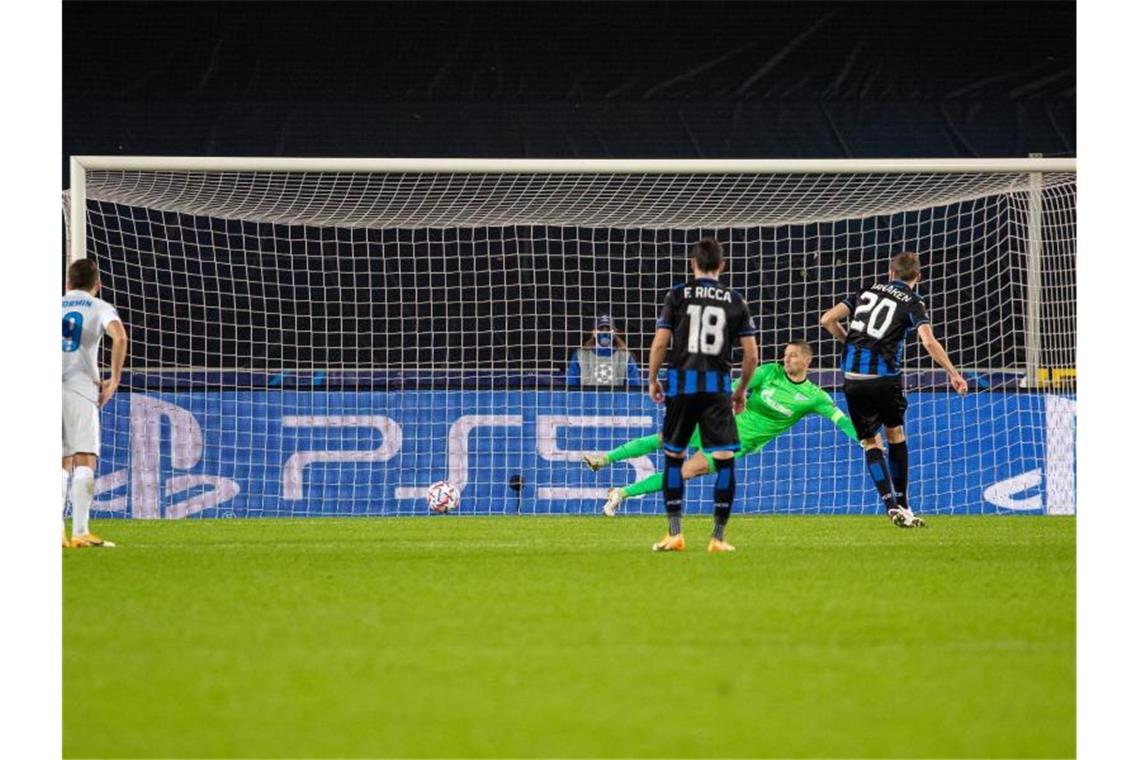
x=301, y=453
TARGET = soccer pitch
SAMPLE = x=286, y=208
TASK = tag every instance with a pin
x=566, y=637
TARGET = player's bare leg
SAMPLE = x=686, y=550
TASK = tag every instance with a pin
x=695, y=466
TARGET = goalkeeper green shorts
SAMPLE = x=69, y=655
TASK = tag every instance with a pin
x=753, y=437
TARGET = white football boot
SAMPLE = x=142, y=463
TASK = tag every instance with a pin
x=614, y=498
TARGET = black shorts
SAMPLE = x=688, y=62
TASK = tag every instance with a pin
x=712, y=411
x=874, y=403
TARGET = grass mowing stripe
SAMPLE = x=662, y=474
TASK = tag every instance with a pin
x=565, y=636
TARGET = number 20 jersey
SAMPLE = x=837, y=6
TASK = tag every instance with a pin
x=882, y=316
x=706, y=318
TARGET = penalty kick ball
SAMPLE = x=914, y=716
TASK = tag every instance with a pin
x=442, y=497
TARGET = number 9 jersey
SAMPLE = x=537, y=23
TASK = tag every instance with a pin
x=706, y=319
x=85, y=320
x=881, y=318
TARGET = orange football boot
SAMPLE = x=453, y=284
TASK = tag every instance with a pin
x=718, y=545
x=670, y=544
x=89, y=540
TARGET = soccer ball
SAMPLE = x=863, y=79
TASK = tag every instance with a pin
x=442, y=497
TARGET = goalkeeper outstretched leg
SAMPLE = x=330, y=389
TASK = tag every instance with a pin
x=693, y=467
x=638, y=447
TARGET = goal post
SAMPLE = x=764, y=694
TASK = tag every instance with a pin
x=329, y=336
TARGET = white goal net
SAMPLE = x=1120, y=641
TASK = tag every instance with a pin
x=330, y=339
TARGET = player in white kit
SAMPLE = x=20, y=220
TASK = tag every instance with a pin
x=86, y=319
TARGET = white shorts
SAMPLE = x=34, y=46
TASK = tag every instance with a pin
x=80, y=425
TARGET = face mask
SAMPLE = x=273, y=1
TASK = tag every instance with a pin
x=605, y=340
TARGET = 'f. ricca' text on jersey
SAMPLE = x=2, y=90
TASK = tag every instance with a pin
x=706, y=318
x=881, y=318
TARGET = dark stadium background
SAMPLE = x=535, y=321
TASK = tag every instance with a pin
x=556, y=80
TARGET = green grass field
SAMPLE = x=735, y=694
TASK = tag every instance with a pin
x=567, y=637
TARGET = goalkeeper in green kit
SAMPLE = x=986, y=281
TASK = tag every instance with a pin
x=779, y=396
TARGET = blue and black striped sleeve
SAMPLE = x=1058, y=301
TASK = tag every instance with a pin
x=918, y=314
x=747, y=324
x=665, y=320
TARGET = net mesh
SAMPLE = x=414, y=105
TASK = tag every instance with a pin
x=561, y=200
x=330, y=343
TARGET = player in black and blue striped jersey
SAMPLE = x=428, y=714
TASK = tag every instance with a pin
x=882, y=316
x=703, y=320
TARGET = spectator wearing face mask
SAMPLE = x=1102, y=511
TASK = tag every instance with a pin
x=603, y=361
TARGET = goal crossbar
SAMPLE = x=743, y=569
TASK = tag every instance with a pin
x=189, y=191
x=577, y=165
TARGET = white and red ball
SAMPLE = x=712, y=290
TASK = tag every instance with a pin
x=442, y=497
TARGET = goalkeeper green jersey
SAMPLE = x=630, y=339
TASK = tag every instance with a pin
x=775, y=404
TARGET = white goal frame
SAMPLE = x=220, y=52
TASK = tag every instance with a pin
x=1034, y=168
x=1007, y=227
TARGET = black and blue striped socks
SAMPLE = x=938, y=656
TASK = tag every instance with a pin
x=724, y=492
x=877, y=466
x=897, y=456
x=674, y=491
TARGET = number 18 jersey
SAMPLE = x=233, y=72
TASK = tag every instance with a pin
x=882, y=316
x=706, y=318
